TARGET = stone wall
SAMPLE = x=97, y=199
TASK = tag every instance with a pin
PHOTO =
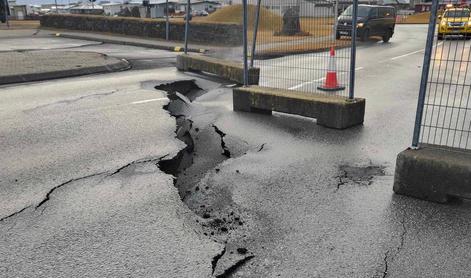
x=204, y=33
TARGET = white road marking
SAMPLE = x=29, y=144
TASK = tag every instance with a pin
x=305, y=83
x=314, y=81
x=408, y=54
x=414, y=52
x=148, y=100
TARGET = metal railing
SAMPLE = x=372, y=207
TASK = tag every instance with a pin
x=443, y=116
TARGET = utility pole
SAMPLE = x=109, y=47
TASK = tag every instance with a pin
x=7, y=11
x=167, y=25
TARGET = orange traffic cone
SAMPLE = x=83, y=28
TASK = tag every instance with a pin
x=331, y=83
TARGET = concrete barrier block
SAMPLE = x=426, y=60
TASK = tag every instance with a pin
x=433, y=173
x=226, y=69
x=330, y=111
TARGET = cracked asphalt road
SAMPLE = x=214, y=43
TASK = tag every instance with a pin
x=298, y=220
x=81, y=194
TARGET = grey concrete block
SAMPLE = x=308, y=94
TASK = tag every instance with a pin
x=226, y=69
x=433, y=173
x=330, y=111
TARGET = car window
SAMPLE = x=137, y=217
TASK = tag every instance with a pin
x=363, y=11
x=374, y=12
x=457, y=13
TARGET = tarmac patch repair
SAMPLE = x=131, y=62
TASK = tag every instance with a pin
x=358, y=175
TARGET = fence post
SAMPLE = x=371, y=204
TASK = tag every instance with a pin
x=351, y=93
x=166, y=21
x=336, y=18
x=255, y=31
x=187, y=24
x=425, y=72
x=7, y=11
x=246, y=65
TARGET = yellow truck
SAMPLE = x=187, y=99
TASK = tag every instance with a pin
x=455, y=22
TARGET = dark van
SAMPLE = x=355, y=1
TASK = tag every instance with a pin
x=371, y=21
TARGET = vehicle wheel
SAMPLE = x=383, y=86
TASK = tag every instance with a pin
x=467, y=37
x=365, y=36
x=440, y=37
x=337, y=36
x=387, y=36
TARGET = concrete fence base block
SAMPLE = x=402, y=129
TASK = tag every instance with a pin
x=330, y=111
x=433, y=174
x=223, y=68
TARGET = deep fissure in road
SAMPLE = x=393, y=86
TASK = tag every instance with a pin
x=219, y=215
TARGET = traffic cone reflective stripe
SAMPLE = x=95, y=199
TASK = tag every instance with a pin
x=331, y=83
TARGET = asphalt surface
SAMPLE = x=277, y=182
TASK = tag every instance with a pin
x=313, y=202
x=98, y=139
x=26, y=66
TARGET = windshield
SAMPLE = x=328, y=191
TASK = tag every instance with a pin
x=457, y=13
x=362, y=11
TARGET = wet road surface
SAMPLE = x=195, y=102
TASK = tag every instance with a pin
x=313, y=202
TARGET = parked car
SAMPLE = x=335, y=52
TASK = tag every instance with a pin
x=455, y=21
x=200, y=13
x=371, y=21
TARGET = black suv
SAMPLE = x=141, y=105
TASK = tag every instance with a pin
x=371, y=21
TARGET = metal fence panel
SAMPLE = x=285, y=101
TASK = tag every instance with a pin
x=214, y=29
x=446, y=119
x=293, y=45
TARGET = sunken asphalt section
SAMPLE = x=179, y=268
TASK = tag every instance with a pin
x=26, y=66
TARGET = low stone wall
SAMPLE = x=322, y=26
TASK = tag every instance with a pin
x=226, y=69
x=204, y=33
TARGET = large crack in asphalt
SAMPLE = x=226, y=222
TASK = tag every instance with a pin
x=69, y=101
x=14, y=213
x=52, y=190
x=220, y=218
x=43, y=202
x=391, y=254
x=225, y=149
x=219, y=215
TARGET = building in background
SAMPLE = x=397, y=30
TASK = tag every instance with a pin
x=157, y=7
x=112, y=9
x=201, y=5
x=87, y=8
x=20, y=12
